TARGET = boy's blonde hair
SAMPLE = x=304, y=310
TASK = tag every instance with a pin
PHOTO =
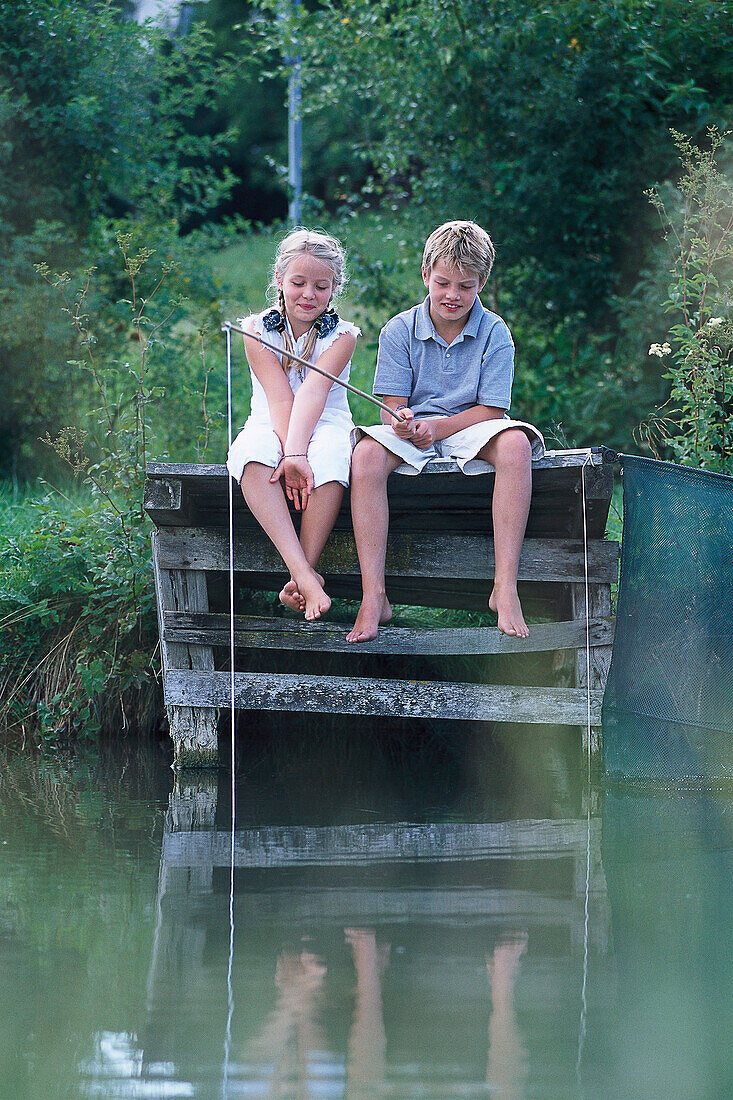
x=462, y=245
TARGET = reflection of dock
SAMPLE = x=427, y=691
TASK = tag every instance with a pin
x=389, y=849
x=436, y=902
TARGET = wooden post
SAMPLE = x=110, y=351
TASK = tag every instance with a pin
x=192, y=728
x=599, y=596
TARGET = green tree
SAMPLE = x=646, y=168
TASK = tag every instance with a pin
x=95, y=136
x=545, y=122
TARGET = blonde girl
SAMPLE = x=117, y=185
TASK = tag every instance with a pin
x=295, y=445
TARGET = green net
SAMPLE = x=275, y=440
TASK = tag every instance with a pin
x=668, y=706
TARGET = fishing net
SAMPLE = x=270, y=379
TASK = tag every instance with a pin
x=668, y=706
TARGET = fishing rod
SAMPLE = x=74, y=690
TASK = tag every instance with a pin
x=229, y=327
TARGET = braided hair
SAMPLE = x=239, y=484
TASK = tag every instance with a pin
x=329, y=251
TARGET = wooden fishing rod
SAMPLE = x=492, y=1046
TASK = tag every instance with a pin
x=313, y=366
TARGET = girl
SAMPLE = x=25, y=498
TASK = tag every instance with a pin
x=295, y=444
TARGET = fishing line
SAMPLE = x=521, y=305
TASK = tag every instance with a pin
x=586, y=903
x=230, y=963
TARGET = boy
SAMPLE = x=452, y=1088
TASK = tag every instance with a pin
x=447, y=365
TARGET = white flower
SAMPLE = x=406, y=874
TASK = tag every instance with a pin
x=660, y=350
x=715, y=321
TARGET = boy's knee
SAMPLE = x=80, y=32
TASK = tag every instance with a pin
x=511, y=447
x=369, y=459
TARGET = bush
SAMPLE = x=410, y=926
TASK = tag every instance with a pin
x=77, y=603
x=77, y=611
x=696, y=424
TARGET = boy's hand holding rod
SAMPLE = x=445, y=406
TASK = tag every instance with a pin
x=315, y=367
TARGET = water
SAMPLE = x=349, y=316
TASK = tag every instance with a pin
x=572, y=942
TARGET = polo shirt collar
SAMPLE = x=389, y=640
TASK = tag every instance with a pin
x=425, y=330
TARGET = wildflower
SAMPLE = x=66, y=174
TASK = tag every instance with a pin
x=573, y=44
x=660, y=350
x=715, y=321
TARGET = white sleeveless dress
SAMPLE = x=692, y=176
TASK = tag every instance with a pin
x=329, y=449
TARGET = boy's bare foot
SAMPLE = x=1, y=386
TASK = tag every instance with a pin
x=291, y=597
x=317, y=602
x=373, y=613
x=505, y=602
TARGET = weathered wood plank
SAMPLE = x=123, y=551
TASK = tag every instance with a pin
x=598, y=660
x=192, y=727
x=441, y=499
x=551, y=460
x=363, y=845
x=387, y=698
x=469, y=557
x=324, y=637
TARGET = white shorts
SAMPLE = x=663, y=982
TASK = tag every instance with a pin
x=463, y=446
x=329, y=451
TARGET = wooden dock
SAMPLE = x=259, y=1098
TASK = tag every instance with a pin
x=440, y=554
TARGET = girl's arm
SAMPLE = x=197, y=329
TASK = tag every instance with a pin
x=268, y=371
x=311, y=397
x=307, y=408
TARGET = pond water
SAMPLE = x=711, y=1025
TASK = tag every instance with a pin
x=413, y=914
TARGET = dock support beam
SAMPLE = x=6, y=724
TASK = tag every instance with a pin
x=192, y=727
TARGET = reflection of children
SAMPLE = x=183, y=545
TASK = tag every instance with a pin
x=367, y=1055
x=295, y=444
x=447, y=364
x=506, y=1071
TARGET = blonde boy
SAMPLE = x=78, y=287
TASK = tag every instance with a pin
x=447, y=364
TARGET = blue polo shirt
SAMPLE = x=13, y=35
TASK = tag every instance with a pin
x=440, y=379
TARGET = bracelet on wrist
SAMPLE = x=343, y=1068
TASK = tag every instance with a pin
x=303, y=454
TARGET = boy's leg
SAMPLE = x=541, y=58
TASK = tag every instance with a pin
x=371, y=465
x=510, y=453
x=266, y=502
x=315, y=527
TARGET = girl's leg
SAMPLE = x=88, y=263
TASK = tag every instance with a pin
x=315, y=527
x=510, y=453
x=267, y=503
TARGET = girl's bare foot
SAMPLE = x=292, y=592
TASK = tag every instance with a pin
x=310, y=587
x=505, y=602
x=291, y=597
x=373, y=613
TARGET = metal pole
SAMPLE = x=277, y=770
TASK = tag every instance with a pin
x=295, y=136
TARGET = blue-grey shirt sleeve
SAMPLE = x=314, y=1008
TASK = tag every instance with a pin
x=393, y=375
x=497, y=368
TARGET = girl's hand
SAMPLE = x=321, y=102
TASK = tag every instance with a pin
x=297, y=478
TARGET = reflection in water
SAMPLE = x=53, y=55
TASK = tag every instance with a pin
x=668, y=857
x=374, y=959
x=378, y=951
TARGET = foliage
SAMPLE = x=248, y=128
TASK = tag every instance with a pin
x=76, y=602
x=78, y=621
x=96, y=133
x=544, y=122
x=697, y=220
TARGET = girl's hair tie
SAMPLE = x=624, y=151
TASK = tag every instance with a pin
x=274, y=321
x=326, y=323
